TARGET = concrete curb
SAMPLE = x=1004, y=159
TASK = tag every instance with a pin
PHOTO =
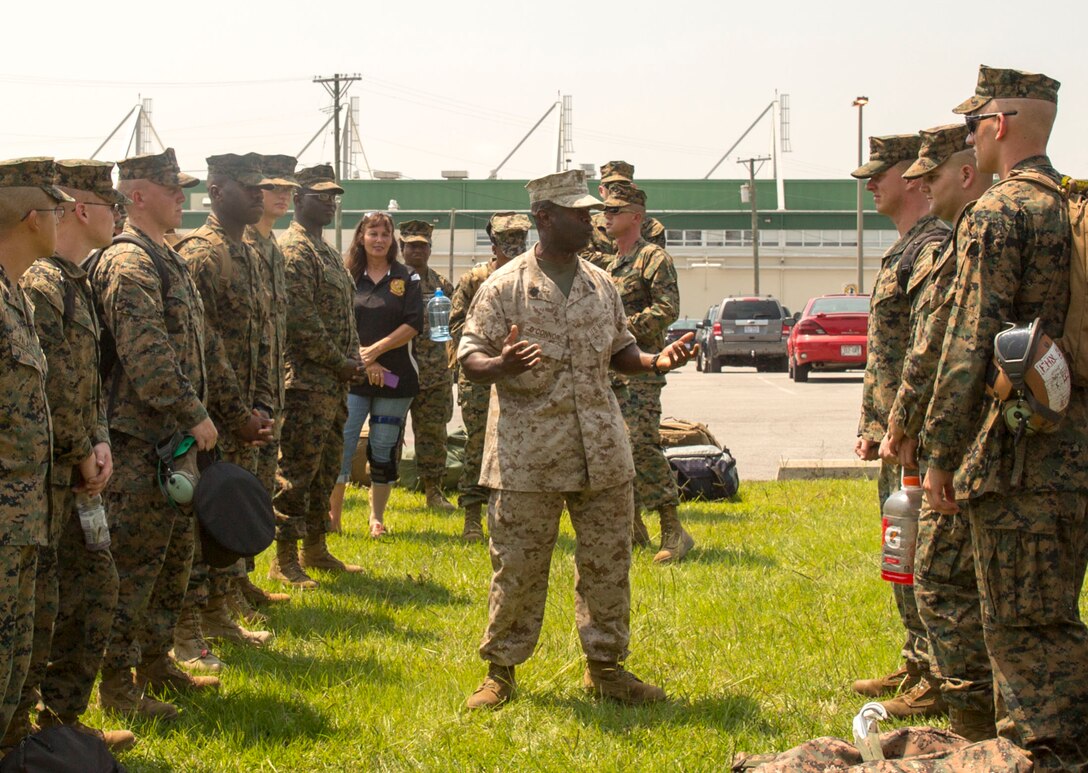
x=815, y=469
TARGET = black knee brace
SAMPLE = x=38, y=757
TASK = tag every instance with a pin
x=384, y=472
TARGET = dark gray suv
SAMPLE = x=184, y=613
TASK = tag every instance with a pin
x=748, y=330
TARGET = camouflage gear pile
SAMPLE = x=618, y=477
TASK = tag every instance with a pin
x=995, y=83
x=1029, y=536
x=938, y=145
x=432, y=408
x=886, y=152
x=161, y=168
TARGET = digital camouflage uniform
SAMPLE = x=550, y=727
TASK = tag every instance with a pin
x=321, y=338
x=472, y=398
x=432, y=408
x=888, y=338
x=1029, y=534
x=945, y=589
x=76, y=587
x=25, y=458
x=555, y=435
x=228, y=274
x=602, y=247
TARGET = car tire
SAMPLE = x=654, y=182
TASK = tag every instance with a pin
x=800, y=373
x=713, y=365
x=782, y=364
x=700, y=361
x=789, y=368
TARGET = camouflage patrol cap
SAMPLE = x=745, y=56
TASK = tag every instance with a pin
x=564, y=189
x=318, y=178
x=994, y=83
x=628, y=198
x=245, y=169
x=87, y=175
x=886, y=152
x=34, y=172
x=159, y=168
x=509, y=231
x=279, y=170
x=617, y=170
x=938, y=145
x=416, y=231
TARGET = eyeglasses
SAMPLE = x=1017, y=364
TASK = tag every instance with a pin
x=973, y=121
x=327, y=198
x=615, y=210
x=113, y=207
x=58, y=212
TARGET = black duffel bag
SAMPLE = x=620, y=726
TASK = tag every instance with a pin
x=60, y=749
x=704, y=471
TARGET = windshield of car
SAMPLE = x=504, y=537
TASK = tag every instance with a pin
x=854, y=304
x=683, y=324
x=754, y=309
x=711, y=314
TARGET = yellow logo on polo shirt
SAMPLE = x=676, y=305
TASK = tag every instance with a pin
x=396, y=286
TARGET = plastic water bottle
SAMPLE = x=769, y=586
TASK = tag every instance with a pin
x=92, y=518
x=899, y=526
x=438, y=316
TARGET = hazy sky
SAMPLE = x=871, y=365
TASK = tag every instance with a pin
x=668, y=86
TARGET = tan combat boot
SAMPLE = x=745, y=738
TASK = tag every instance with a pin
x=217, y=623
x=498, y=687
x=191, y=649
x=675, y=541
x=163, y=674
x=286, y=569
x=117, y=692
x=316, y=555
x=473, y=531
x=973, y=724
x=923, y=700
x=115, y=740
x=901, y=680
x=240, y=608
x=258, y=596
x=607, y=679
x=640, y=535
x=436, y=500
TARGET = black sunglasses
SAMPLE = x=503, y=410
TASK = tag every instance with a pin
x=973, y=121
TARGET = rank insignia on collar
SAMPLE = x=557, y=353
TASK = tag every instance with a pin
x=396, y=286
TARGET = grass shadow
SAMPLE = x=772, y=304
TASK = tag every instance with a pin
x=317, y=622
x=724, y=712
x=728, y=557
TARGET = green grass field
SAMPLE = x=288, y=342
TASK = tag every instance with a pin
x=756, y=637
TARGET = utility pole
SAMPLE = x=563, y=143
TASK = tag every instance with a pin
x=337, y=86
x=750, y=163
x=860, y=103
x=566, y=141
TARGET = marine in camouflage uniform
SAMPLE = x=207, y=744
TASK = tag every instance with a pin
x=26, y=446
x=432, y=408
x=508, y=232
x=168, y=365
x=555, y=436
x=944, y=573
x=76, y=588
x=1025, y=497
x=227, y=272
x=888, y=339
x=602, y=247
x=645, y=277
x=322, y=357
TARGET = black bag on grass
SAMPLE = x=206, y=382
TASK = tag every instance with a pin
x=60, y=749
x=704, y=471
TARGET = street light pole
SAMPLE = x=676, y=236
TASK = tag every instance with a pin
x=860, y=103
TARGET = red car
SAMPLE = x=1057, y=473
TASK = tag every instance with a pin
x=829, y=335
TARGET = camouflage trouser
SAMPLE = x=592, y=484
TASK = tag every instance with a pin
x=1031, y=551
x=432, y=410
x=17, y=569
x=473, y=399
x=915, y=647
x=204, y=580
x=523, y=527
x=655, y=484
x=310, y=448
x=87, y=590
x=45, y=614
x=152, y=547
x=947, y=594
x=268, y=459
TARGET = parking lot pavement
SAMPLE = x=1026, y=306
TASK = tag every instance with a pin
x=765, y=419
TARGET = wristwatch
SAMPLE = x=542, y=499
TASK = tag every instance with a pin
x=656, y=369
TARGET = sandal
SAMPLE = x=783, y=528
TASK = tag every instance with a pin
x=377, y=529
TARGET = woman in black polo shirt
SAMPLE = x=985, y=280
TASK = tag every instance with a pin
x=388, y=314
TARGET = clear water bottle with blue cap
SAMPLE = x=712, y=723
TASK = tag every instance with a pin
x=438, y=316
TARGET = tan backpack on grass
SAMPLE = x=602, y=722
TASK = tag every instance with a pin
x=1074, y=340
x=681, y=432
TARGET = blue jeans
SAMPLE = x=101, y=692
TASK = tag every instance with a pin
x=386, y=424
